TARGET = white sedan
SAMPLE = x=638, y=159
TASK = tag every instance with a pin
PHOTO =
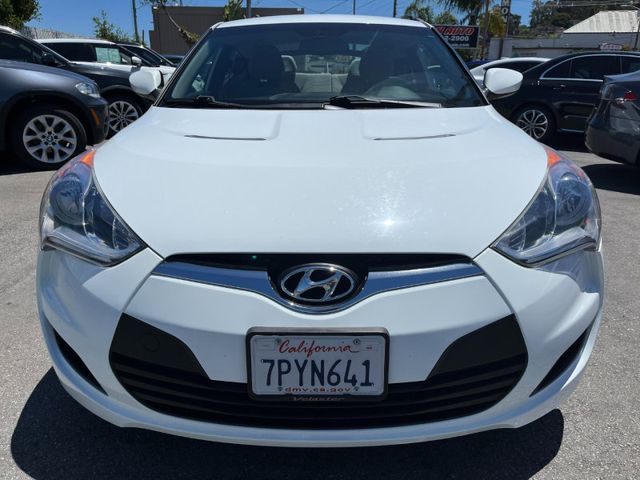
x=283, y=255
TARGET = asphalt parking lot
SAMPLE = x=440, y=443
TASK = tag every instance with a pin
x=46, y=435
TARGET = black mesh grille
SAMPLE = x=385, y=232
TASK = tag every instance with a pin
x=473, y=374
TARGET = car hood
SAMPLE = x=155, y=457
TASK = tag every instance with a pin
x=33, y=67
x=393, y=180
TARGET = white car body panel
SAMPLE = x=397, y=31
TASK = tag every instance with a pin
x=332, y=181
x=366, y=185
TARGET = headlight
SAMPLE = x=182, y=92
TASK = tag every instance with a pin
x=88, y=89
x=75, y=217
x=563, y=217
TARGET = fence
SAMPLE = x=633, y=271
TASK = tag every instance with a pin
x=34, y=32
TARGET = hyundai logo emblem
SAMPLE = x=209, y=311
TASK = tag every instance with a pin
x=318, y=283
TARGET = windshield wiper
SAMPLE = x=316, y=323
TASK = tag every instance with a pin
x=357, y=101
x=202, y=101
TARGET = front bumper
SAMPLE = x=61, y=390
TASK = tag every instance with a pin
x=554, y=306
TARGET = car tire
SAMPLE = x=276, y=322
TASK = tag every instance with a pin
x=124, y=109
x=536, y=121
x=45, y=137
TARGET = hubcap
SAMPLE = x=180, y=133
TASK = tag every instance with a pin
x=49, y=139
x=534, y=122
x=121, y=114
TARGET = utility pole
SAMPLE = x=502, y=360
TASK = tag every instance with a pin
x=354, y=7
x=395, y=8
x=135, y=21
x=248, y=8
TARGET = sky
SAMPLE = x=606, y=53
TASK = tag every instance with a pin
x=74, y=16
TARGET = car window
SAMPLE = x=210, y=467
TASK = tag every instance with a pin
x=521, y=66
x=630, y=64
x=559, y=71
x=111, y=54
x=147, y=55
x=594, y=67
x=14, y=48
x=312, y=62
x=76, y=52
x=143, y=54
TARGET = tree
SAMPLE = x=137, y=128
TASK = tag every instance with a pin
x=470, y=8
x=15, y=13
x=514, y=25
x=189, y=37
x=445, y=18
x=419, y=10
x=233, y=10
x=107, y=30
x=497, y=25
x=560, y=19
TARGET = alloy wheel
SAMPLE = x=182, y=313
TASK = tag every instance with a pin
x=534, y=122
x=49, y=139
x=121, y=114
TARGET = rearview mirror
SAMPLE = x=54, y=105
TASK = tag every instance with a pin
x=501, y=82
x=145, y=82
x=136, y=61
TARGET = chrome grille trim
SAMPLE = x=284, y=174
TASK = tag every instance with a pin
x=257, y=281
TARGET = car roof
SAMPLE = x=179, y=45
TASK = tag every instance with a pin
x=289, y=19
x=517, y=59
x=74, y=40
x=7, y=29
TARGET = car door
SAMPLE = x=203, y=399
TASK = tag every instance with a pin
x=579, y=94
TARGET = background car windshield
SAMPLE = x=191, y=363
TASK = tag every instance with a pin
x=312, y=62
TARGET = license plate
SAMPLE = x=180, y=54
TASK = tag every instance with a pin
x=317, y=365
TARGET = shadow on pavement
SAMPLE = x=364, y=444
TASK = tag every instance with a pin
x=56, y=438
x=9, y=165
x=571, y=142
x=616, y=177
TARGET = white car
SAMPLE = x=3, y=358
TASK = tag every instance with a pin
x=376, y=257
x=94, y=51
x=519, y=64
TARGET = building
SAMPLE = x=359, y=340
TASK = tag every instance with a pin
x=165, y=38
x=608, y=30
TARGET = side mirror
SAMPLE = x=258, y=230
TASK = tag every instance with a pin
x=49, y=60
x=501, y=82
x=145, y=82
x=136, y=61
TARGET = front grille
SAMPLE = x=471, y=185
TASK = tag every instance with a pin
x=473, y=374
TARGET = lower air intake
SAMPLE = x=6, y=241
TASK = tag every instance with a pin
x=473, y=374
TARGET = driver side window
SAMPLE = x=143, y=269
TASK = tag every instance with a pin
x=13, y=48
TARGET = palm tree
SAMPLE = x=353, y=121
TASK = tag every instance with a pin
x=418, y=9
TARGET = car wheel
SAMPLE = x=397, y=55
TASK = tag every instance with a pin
x=536, y=121
x=123, y=111
x=45, y=136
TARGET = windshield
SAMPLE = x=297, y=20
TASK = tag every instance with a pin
x=310, y=63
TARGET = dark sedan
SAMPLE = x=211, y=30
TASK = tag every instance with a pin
x=48, y=115
x=613, y=129
x=559, y=95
